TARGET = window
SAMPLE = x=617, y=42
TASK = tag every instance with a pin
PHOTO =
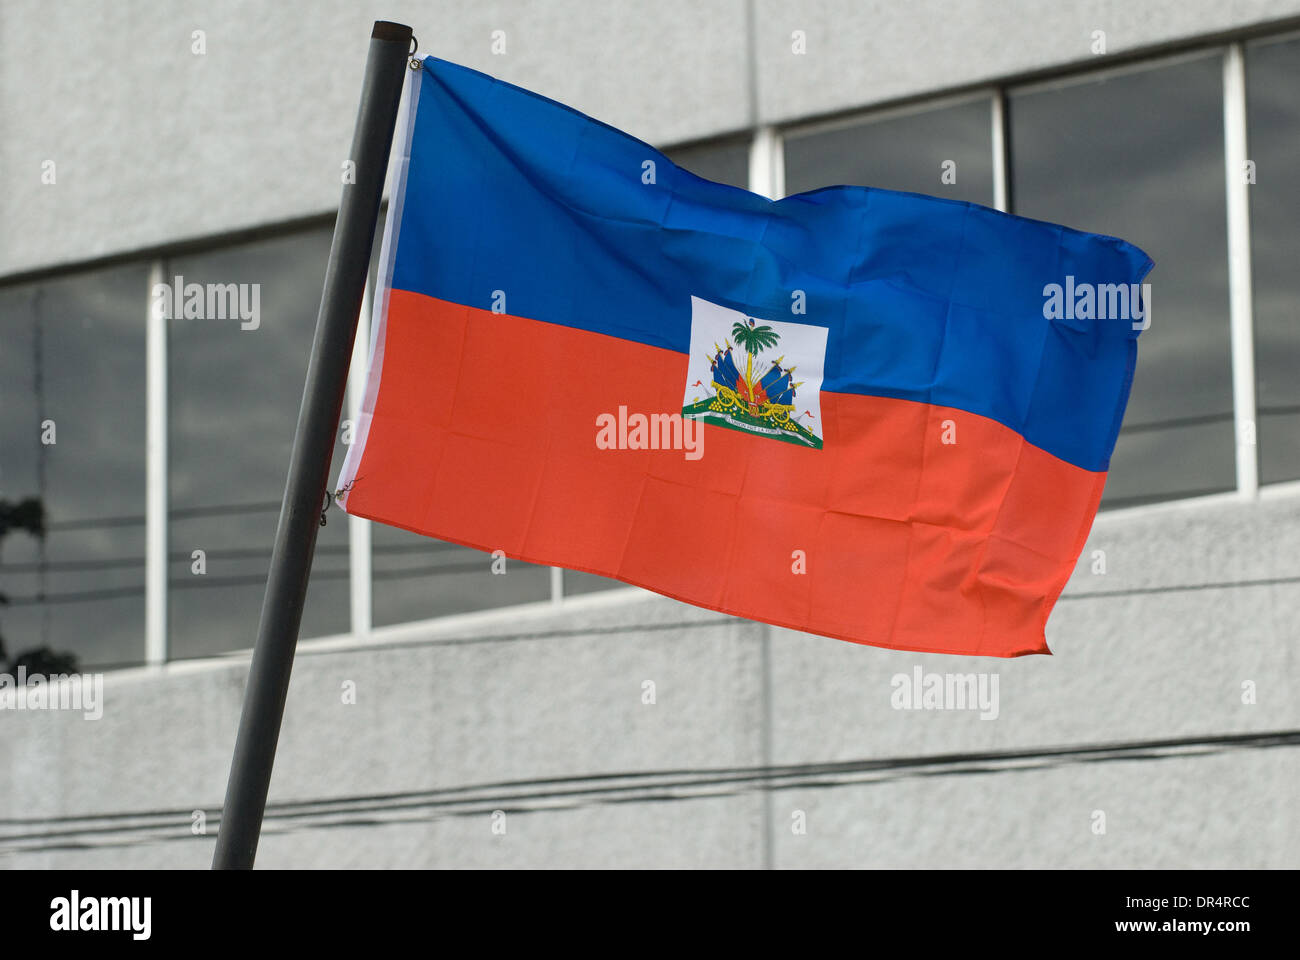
x=1139, y=155
x=908, y=152
x=72, y=378
x=722, y=162
x=417, y=577
x=234, y=388
x=1273, y=120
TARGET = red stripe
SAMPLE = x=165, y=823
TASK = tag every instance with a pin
x=484, y=433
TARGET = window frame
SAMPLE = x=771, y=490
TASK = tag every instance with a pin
x=1231, y=55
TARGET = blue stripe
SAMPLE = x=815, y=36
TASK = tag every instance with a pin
x=925, y=299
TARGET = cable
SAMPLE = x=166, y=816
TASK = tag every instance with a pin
x=580, y=791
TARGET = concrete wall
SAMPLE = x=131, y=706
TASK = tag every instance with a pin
x=1139, y=714
x=540, y=713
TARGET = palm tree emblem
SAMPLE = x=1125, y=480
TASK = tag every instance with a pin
x=752, y=339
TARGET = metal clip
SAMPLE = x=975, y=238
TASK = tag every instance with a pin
x=414, y=63
x=332, y=495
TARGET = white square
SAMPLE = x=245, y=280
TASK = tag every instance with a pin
x=762, y=377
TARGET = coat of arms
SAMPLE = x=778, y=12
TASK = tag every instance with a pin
x=762, y=376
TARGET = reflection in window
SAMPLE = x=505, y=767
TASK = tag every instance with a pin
x=1273, y=124
x=909, y=152
x=1140, y=156
x=416, y=577
x=234, y=395
x=74, y=359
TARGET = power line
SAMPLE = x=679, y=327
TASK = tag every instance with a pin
x=203, y=581
x=179, y=513
x=546, y=794
x=236, y=553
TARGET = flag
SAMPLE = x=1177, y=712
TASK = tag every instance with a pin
x=865, y=414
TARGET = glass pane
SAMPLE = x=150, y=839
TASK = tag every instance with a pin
x=1273, y=112
x=1140, y=156
x=417, y=577
x=916, y=152
x=74, y=355
x=576, y=582
x=726, y=162
x=234, y=398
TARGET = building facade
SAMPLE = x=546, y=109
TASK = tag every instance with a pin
x=445, y=712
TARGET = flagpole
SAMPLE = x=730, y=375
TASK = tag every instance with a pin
x=313, y=444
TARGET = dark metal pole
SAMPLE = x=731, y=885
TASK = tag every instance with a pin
x=313, y=444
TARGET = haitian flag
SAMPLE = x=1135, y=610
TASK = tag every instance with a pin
x=853, y=412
